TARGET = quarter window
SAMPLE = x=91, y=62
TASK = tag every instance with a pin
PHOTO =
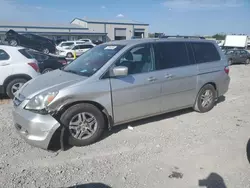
x=138, y=60
x=3, y=55
x=205, y=52
x=170, y=55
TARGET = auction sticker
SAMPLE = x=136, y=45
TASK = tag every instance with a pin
x=110, y=48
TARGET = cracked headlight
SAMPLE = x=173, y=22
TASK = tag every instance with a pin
x=41, y=101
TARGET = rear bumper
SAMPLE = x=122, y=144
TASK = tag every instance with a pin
x=35, y=129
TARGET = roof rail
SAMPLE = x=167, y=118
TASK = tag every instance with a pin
x=179, y=36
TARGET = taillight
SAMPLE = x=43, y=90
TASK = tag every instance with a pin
x=226, y=69
x=64, y=62
x=34, y=66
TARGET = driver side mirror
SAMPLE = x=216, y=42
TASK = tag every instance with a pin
x=120, y=71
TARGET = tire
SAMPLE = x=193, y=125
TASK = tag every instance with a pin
x=13, y=42
x=199, y=107
x=248, y=61
x=11, y=85
x=47, y=70
x=46, y=51
x=230, y=61
x=72, y=114
x=69, y=55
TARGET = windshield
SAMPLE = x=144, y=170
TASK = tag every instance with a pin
x=92, y=60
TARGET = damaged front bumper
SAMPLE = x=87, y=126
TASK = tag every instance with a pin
x=36, y=129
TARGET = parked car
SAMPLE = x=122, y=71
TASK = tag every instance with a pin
x=15, y=69
x=119, y=82
x=97, y=42
x=30, y=40
x=67, y=44
x=85, y=40
x=77, y=49
x=238, y=56
x=46, y=62
x=58, y=41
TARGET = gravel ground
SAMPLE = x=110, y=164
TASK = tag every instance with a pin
x=181, y=149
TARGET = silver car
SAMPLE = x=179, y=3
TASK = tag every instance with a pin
x=119, y=82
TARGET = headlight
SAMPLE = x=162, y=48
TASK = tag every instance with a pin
x=40, y=102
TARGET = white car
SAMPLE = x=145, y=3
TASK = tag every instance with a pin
x=66, y=44
x=86, y=40
x=16, y=68
x=77, y=49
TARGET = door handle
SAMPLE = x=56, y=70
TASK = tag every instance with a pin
x=152, y=79
x=4, y=64
x=168, y=76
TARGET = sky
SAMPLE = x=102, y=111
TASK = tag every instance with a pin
x=183, y=17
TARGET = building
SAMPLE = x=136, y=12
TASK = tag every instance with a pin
x=116, y=30
x=81, y=28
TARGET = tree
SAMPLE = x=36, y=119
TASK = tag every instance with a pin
x=219, y=36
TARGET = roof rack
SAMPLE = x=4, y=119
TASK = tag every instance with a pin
x=179, y=36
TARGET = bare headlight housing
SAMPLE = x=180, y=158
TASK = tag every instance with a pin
x=41, y=101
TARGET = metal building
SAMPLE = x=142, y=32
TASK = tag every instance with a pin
x=116, y=30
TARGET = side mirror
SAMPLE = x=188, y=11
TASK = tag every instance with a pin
x=120, y=71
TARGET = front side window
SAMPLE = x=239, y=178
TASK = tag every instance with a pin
x=171, y=55
x=205, y=52
x=243, y=52
x=3, y=55
x=138, y=60
x=91, y=61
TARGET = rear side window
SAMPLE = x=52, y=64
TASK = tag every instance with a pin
x=171, y=55
x=25, y=53
x=85, y=46
x=67, y=44
x=3, y=55
x=205, y=52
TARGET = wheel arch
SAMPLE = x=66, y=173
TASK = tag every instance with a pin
x=208, y=83
x=15, y=76
x=108, y=118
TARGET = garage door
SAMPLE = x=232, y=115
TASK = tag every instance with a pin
x=120, y=34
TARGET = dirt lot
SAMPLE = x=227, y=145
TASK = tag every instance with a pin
x=182, y=149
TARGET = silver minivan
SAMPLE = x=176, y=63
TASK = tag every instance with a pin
x=119, y=82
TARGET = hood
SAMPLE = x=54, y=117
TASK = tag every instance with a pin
x=51, y=81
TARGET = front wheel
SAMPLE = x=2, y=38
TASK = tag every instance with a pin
x=46, y=51
x=14, y=86
x=230, y=62
x=13, y=42
x=205, y=100
x=85, y=124
x=69, y=55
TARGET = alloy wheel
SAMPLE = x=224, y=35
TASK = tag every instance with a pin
x=16, y=87
x=206, y=98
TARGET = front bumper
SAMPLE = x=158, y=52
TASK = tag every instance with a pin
x=35, y=129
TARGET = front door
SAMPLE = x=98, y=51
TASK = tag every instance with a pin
x=178, y=75
x=137, y=94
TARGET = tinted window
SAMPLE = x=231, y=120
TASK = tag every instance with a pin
x=38, y=56
x=205, y=52
x=170, y=55
x=4, y=55
x=85, y=46
x=80, y=42
x=25, y=53
x=67, y=44
x=138, y=60
x=91, y=61
x=76, y=48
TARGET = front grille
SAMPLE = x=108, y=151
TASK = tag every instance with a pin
x=18, y=100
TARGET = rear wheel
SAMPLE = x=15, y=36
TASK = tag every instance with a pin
x=247, y=61
x=69, y=55
x=85, y=124
x=205, y=100
x=230, y=61
x=13, y=42
x=46, y=50
x=47, y=70
x=14, y=86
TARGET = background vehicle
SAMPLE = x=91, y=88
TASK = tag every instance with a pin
x=32, y=41
x=15, y=69
x=85, y=40
x=238, y=56
x=67, y=44
x=117, y=82
x=58, y=41
x=78, y=49
x=46, y=62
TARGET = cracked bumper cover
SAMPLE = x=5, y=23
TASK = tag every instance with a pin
x=36, y=129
